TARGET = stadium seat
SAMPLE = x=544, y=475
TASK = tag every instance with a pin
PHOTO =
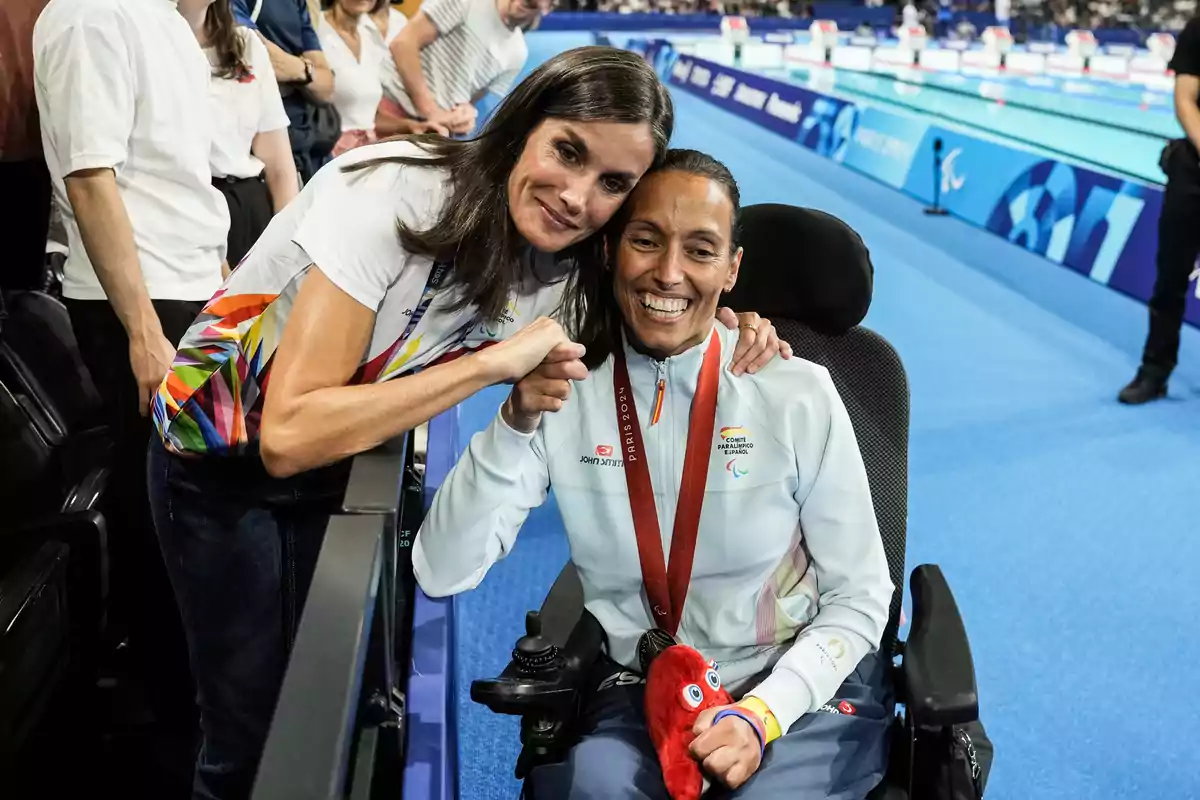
x=53, y=455
x=812, y=276
x=61, y=420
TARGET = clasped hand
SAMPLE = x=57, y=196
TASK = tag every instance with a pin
x=729, y=751
x=541, y=361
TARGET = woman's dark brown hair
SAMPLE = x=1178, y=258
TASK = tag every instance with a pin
x=604, y=323
x=223, y=37
x=475, y=229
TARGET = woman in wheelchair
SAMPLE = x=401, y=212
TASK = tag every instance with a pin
x=753, y=485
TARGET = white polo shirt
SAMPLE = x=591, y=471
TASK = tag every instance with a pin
x=241, y=107
x=123, y=84
x=356, y=87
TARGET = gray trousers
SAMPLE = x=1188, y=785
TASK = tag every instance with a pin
x=839, y=753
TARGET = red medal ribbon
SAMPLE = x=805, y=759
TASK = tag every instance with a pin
x=667, y=589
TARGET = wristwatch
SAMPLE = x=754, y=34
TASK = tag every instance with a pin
x=308, y=72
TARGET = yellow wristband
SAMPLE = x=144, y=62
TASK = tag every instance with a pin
x=758, y=707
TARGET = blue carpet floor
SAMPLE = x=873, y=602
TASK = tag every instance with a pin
x=1064, y=521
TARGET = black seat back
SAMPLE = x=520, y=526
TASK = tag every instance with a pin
x=53, y=454
x=51, y=432
x=811, y=275
x=34, y=640
x=35, y=329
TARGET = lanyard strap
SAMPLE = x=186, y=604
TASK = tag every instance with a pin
x=437, y=276
x=371, y=371
x=666, y=588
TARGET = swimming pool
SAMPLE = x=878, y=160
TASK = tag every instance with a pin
x=1099, y=123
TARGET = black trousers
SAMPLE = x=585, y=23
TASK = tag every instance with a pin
x=1178, y=246
x=24, y=223
x=142, y=603
x=250, y=211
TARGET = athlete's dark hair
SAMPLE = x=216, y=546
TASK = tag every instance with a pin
x=692, y=162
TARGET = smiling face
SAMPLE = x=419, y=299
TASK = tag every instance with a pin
x=674, y=259
x=573, y=176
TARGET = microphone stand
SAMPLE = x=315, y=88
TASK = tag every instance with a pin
x=936, y=210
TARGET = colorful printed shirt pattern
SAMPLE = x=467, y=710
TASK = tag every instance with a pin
x=212, y=399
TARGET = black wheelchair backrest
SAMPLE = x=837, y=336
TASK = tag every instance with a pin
x=811, y=275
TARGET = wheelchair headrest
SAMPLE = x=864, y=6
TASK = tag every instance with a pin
x=804, y=265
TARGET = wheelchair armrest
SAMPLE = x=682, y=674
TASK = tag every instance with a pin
x=939, y=673
x=543, y=678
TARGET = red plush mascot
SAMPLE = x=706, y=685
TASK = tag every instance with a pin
x=679, y=685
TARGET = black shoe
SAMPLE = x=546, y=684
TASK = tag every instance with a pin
x=1142, y=389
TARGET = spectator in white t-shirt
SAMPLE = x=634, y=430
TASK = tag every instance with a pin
x=251, y=156
x=451, y=53
x=353, y=47
x=387, y=22
x=121, y=89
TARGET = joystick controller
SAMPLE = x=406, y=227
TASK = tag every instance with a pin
x=534, y=655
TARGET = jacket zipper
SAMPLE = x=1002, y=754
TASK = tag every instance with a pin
x=661, y=463
x=659, y=393
x=667, y=454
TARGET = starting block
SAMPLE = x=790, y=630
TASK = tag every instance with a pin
x=735, y=30
x=997, y=39
x=1081, y=43
x=824, y=37
x=1161, y=45
x=913, y=38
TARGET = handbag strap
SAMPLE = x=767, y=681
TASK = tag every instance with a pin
x=257, y=9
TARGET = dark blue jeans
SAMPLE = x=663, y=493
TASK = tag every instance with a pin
x=837, y=753
x=240, y=548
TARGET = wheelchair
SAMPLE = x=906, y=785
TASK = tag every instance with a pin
x=812, y=276
x=54, y=456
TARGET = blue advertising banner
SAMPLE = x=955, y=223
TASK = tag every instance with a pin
x=1080, y=219
x=1096, y=224
x=971, y=171
x=879, y=144
x=769, y=103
